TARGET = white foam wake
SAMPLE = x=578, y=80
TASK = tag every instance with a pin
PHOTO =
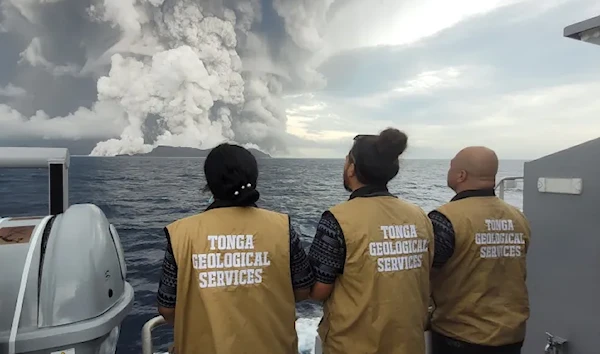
x=307, y=331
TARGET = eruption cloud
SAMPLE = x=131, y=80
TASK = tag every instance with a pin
x=186, y=73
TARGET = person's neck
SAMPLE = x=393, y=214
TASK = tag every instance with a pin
x=356, y=186
x=474, y=187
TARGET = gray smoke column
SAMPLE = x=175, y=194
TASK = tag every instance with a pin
x=202, y=71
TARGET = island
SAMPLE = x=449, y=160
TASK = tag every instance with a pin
x=170, y=151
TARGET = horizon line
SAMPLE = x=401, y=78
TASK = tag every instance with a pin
x=286, y=158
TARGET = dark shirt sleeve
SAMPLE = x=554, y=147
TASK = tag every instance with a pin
x=444, y=238
x=302, y=274
x=167, y=288
x=327, y=253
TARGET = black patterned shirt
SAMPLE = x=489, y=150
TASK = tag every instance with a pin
x=327, y=253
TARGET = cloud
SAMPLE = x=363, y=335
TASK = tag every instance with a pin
x=523, y=124
x=303, y=120
x=104, y=119
x=427, y=84
x=500, y=79
x=359, y=24
x=314, y=74
x=206, y=71
x=538, y=121
x=11, y=90
x=34, y=57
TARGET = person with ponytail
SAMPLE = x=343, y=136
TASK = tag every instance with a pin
x=371, y=257
x=233, y=273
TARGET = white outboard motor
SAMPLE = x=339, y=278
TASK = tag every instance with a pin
x=62, y=276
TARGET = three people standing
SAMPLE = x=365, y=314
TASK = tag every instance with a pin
x=232, y=274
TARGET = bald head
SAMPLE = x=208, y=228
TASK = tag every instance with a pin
x=474, y=167
x=479, y=162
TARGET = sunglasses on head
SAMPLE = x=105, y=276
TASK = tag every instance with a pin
x=360, y=136
x=357, y=138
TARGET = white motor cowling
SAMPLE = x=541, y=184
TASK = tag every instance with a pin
x=65, y=288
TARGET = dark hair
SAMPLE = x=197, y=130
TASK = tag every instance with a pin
x=231, y=174
x=375, y=157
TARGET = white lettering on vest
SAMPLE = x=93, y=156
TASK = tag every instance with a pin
x=399, y=231
x=404, y=251
x=501, y=240
x=225, y=268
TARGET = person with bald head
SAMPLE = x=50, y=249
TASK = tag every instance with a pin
x=478, y=285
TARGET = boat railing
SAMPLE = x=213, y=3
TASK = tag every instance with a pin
x=147, y=347
x=507, y=183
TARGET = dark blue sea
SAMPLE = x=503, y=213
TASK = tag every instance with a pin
x=142, y=195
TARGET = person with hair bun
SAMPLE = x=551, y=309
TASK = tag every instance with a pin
x=371, y=257
x=233, y=273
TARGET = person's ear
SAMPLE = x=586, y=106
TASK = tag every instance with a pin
x=462, y=176
x=351, y=170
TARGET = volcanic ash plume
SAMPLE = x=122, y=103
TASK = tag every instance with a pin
x=201, y=72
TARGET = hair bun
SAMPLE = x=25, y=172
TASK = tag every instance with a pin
x=247, y=197
x=391, y=143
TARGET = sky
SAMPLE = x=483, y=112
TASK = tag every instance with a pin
x=448, y=73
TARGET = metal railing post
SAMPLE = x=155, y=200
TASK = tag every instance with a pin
x=501, y=187
x=147, y=333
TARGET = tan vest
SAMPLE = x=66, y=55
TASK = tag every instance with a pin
x=480, y=294
x=234, y=288
x=379, y=305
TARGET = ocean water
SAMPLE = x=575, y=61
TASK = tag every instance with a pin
x=142, y=195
